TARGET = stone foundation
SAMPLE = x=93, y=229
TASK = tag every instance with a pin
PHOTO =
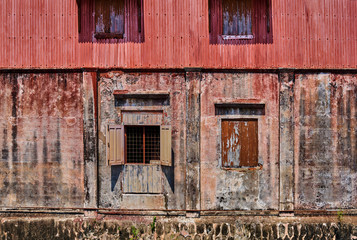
x=135, y=227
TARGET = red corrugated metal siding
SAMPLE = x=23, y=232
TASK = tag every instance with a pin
x=306, y=34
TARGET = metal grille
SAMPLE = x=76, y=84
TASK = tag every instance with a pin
x=134, y=144
x=142, y=144
x=152, y=143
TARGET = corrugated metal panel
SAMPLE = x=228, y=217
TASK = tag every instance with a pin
x=306, y=34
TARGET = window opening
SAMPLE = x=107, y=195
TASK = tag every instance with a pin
x=139, y=15
x=239, y=109
x=109, y=18
x=142, y=144
x=110, y=21
x=240, y=21
x=237, y=17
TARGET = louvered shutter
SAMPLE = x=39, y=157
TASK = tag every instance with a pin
x=115, y=145
x=165, y=145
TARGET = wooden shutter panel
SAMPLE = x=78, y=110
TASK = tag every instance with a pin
x=165, y=145
x=115, y=144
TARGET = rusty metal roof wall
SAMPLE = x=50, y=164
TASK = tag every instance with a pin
x=306, y=35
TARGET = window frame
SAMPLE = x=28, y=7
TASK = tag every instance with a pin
x=133, y=23
x=222, y=118
x=126, y=142
x=165, y=149
x=238, y=36
x=109, y=35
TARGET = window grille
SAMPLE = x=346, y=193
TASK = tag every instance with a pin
x=142, y=144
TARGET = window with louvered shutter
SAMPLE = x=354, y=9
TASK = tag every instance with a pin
x=139, y=145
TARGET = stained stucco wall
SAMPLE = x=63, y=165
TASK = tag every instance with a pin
x=41, y=140
x=325, y=113
x=169, y=182
x=313, y=166
x=234, y=189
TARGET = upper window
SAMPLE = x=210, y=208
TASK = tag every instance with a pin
x=109, y=18
x=240, y=21
x=110, y=21
x=237, y=18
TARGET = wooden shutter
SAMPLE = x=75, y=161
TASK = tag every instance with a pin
x=115, y=144
x=165, y=145
x=240, y=143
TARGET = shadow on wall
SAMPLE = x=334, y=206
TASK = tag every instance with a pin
x=115, y=173
x=170, y=172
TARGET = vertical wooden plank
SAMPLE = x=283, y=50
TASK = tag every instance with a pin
x=131, y=182
x=132, y=187
x=121, y=147
x=139, y=178
x=150, y=180
x=111, y=145
x=125, y=179
x=224, y=147
x=156, y=179
x=145, y=180
x=115, y=145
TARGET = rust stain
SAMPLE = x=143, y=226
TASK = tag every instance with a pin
x=240, y=143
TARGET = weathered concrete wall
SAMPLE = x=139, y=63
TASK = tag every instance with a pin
x=312, y=167
x=132, y=227
x=41, y=140
x=172, y=184
x=234, y=189
x=325, y=112
x=47, y=119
